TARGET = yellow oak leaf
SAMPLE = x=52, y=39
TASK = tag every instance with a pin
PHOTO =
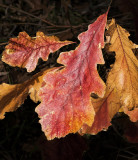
x=122, y=87
x=124, y=75
x=12, y=96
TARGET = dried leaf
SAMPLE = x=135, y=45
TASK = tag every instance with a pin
x=105, y=109
x=66, y=103
x=133, y=114
x=12, y=96
x=122, y=88
x=25, y=51
x=124, y=76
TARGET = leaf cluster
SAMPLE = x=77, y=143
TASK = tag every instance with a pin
x=73, y=97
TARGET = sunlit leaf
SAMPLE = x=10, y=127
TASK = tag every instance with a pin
x=12, y=96
x=25, y=51
x=122, y=82
x=66, y=103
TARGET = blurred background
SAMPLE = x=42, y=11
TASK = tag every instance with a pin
x=21, y=137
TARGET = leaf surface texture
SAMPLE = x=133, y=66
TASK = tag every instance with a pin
x=66, y=103
x=25, y=51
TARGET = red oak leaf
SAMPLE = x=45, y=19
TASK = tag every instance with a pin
x=66, y=103
x=25, y=51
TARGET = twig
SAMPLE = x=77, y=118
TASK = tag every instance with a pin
x=2, y=44
x=19, y=10
x=3, y=73
x=127, y=157
x=43, y=20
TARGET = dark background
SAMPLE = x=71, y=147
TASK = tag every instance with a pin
x=21, y=137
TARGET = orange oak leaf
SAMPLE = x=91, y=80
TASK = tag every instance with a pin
x=25, y=51
x=133, y=114
x=105, y=109
x=66, y=103
x=122, y=86
x=124, y=75
x=12, y=96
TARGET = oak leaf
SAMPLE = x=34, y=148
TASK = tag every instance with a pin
x=122, y=87
x=123, y=77
x=25, y=51
x=65, y=97
x=105, y=108
x=12, y=96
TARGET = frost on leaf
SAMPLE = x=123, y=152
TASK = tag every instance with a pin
x=66, y=103
x=122, y=83
x=12, y=96
x=25, y=51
